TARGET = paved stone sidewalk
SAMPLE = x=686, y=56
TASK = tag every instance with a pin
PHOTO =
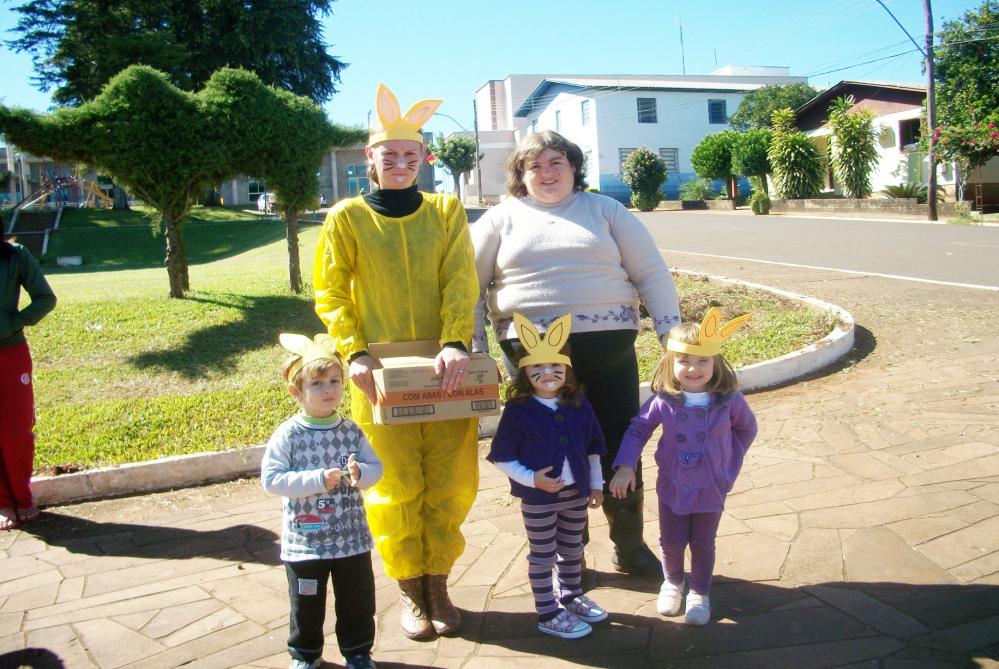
x=863, y=532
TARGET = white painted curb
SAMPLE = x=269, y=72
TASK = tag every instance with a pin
x=188, y=470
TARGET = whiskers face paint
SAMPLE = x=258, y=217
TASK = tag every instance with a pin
x=546, y=379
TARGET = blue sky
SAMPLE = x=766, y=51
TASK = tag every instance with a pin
x=420, y=50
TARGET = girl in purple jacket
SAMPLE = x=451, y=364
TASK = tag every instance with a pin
x=549, y=444
x=707, y=428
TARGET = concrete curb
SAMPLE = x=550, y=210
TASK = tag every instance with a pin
x=188, y=470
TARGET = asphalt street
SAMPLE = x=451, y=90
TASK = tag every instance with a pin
x=914, y=250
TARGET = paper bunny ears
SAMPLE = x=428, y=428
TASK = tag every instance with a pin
x=392, y=124
x=711, y=334
x=308, y=350
x=541, y=350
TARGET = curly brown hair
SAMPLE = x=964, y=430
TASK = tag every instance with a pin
x=531, y=147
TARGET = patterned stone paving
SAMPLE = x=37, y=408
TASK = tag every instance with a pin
x=863, y=532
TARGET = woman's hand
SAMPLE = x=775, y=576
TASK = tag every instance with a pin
x=543, y=482
x=596, y=499
x=452, y=363
x=360, y=373
x=623, y=481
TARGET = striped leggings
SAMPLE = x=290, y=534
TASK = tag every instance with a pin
x=555, y=537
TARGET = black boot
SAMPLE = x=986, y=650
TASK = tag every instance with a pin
x=631, y=554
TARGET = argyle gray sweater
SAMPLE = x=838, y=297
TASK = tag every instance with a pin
x=319, y=523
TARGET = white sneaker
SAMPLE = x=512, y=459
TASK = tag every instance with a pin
x=586, y=609
x=565, y=625
x=670, y=601
x=698, y=609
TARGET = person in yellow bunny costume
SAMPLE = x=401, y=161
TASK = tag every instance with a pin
x=398, y=265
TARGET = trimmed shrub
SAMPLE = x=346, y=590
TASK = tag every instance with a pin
x=644, y=173
x=796, y=161
x=697, y=189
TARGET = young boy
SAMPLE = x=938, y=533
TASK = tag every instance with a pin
x=319, y=462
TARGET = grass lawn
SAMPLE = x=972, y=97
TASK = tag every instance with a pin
x=125, y=374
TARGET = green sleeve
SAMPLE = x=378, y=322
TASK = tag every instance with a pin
x=43, y=300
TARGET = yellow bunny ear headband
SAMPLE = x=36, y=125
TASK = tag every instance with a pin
x=308, y=350
x=541, y=350
x=392, y=124
x=711, y=334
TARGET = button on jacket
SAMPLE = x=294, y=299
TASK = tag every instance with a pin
x=700, y=452
x=537, y=437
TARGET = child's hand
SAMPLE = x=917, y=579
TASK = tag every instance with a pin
x=544, y=482
x=354, y=469
x=623, y=481
x=596, y=499
x=331, y=478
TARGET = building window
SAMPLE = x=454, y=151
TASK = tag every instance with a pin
x=256, y=188
x=672, y=159
x=357, y=179
x=717, y=112
x=584, y=111
x=587, y=157
x=534, y=126
x=558, y=121
x=908, y=132
x=647, y=110
x=622, y=155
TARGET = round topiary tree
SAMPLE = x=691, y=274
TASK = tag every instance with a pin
x=795, y=159
x=749, y=156
x=712, y=159
x=644, y=173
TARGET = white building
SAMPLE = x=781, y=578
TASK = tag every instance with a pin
x=609, y=116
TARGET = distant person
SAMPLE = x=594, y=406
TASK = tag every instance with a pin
x=18, y=269
x=319, y=462
x=707, y=426
x=549, y=443
x=397, y=265
x=322, y=200
x=553, y=248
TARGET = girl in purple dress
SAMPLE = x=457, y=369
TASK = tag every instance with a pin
x=707, y=428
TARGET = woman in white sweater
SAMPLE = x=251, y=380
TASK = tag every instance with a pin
x=553, y=248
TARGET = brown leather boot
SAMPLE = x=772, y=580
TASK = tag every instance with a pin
x=443, y=615
x=413, y=610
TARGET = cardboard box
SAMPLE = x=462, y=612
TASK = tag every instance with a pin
x=410, y=392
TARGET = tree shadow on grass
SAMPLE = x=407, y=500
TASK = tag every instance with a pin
x=218, y=347
x=238, y=543
x=765, y=625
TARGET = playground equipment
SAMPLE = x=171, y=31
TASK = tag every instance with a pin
x=61, y=190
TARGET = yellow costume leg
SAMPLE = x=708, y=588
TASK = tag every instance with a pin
x=451, y=476
x=394, y=505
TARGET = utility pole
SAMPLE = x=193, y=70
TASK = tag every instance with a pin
x=478, y=167
x=931, y=117
x=683, y=60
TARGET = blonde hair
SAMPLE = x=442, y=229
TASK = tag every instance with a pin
x=309, y=370
x=531, y=147
x=723, y=378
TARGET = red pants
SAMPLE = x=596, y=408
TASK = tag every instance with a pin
x=17, y=420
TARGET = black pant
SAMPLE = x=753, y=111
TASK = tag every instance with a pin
x=354, y=595
x=606, y=364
